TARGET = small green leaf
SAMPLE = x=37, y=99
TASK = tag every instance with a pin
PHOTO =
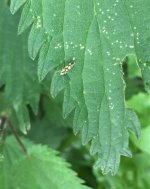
x=35, y=41
x=42, y=168
x=143, y=143
x=26, y=18
x=133, y=123
x=58, y=83
x=145, y=69
x=15, y=5
x=141, y=104
x=51, y=55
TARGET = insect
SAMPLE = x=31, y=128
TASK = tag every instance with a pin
x=67, y=68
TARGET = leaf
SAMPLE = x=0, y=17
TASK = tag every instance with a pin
x=136, y=173
x=142, y=144
x=133, y=68
x=15, y=5
x=145, y=69
x=41, y=169
x=133, y=122
x=142, y=42
x=96, y=36
x=17, y=73
x=141, y=104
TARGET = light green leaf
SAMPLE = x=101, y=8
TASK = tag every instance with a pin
x=17, y=71
x=143, y=143
x=57, y=84
x=141, y=104
x=133, y=122
x=96, y=36
x=42, y=168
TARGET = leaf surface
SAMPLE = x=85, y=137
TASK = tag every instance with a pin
x=41, y=169
x=95, y=36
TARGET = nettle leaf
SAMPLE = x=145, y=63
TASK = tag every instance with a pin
x=17, y=72
x=41, y=168
x=95, y=37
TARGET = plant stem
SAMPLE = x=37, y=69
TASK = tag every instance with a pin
x=17, y=137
